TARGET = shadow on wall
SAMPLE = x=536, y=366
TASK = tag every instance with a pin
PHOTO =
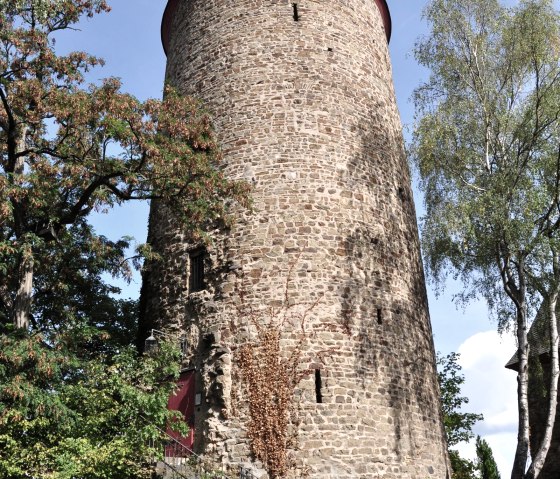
x=384, y=296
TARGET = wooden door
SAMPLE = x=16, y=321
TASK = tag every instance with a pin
x=182, y=400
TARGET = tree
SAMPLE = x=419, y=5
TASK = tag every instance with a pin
x=458, y=425
x=64, y=415
x=66, y=151
x=75, y=398
x=461, y=468
x=487, y=149
x=486, y=463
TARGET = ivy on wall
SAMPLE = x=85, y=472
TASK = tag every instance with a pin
x=271, y=374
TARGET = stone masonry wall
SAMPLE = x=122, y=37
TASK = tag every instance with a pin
x=539, y=379
x=305, y=111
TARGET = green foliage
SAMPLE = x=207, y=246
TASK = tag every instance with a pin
x=458, y=425
x=483, y=468
x=64, y=415
x=486, y=145
x=461, y=468
x=486, y=463
x=68, y=284
x=487, y=149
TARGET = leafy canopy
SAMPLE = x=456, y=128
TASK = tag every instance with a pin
x=458, y=425
x=64, y=415
x=486, y=143
x=67, y=149
x=487, y=149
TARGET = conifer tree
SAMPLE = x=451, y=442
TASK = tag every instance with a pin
x=486, y=463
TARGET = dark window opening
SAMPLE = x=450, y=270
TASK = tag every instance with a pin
x=379, y=317
x=196, y=277
x=296, y=14
x=329, y=49
x=318, y=386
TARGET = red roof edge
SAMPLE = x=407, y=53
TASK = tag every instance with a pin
x=166, y=23
x=172, y=7
x=386, y=15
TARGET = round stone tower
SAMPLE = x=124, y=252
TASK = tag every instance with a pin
x=303, y=105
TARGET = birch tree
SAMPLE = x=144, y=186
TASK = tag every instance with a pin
x=487, y=149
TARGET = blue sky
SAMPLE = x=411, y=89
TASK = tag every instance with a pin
x=129, y=40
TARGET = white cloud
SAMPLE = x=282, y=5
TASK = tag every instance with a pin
x=484, y=347
x=503, y=448
x=492, y=391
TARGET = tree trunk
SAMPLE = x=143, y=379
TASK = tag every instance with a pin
x=22, y=303
x=540, y=456
x=522, y=450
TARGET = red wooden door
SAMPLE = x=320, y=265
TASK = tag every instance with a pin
x=182, y=400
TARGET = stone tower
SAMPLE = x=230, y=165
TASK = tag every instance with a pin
x=302, y=101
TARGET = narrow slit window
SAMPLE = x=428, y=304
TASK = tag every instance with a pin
x=379, y=316
x=318, y=386
x=196, y=277
x=296, y=13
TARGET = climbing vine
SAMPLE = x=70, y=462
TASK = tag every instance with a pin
x=271, y=374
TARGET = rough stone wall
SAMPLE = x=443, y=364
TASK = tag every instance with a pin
x=305, y=111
